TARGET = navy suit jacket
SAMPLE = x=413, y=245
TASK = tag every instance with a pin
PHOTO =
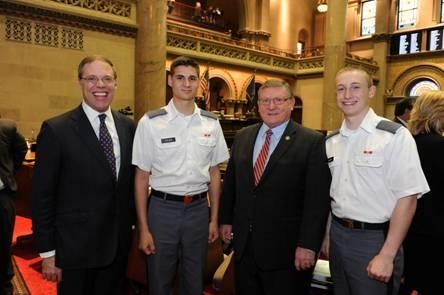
x=290, y=205
x=78, y=208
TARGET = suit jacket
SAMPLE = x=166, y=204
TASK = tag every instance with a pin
x=428, y=217
x=78, y=208
x=290, y=205
x=399, y=121
x=13, y=149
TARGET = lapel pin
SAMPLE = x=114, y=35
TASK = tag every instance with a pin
x=287, y=137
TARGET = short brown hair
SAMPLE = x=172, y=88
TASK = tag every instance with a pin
x=184, y=61
x=90, y=59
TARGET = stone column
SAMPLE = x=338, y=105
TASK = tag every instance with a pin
x=381, y=41
x=335, y=50
x=150, y=56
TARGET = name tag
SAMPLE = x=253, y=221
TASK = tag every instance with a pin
x=168, y=140
x=330, y=159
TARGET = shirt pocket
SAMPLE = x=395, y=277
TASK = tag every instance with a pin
x=370, y=161
x=205, y=148
x=167, y=149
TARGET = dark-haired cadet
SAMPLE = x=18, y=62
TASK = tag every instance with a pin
x=177, y=151
x=82, y=191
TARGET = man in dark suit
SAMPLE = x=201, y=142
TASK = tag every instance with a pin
x=82, y=192
x=277, y=223
x=402, y=111
x=13, y=149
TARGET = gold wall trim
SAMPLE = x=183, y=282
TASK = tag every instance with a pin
x=36, y=13
x=114, y=7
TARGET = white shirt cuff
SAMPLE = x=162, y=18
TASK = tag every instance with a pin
x=47, y=254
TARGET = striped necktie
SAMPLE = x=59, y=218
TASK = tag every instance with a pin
x=259, y=165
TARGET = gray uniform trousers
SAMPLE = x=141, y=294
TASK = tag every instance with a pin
x=180, y=233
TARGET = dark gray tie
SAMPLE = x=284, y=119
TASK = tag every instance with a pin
x=107, y=143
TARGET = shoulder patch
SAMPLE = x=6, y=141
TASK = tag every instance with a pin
x=156, y=113
x=388, y=126
x=331, y=134
x=208, y=114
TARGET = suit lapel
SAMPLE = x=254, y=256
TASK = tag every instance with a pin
x=250, y=140
x=84, y=130
x=282, y=147
x=123, y=140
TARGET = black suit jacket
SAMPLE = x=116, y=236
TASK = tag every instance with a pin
x=428, y=218
x=13, y=149
x=78, y=208
x=290, y=205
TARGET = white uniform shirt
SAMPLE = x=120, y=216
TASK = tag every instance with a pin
x=371, y=169
x=178, y=150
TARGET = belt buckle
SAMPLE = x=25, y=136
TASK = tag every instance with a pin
x=188, y=199
x=348, y=223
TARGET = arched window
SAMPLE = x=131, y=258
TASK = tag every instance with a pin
x=407, y=13
x=368, y=17
x=420, y=85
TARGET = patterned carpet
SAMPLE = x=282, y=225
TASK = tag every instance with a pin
x=18, y=283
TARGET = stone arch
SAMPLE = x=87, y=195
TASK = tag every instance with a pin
x=227, y=78
x=406, y=78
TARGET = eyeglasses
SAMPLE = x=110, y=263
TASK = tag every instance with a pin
x=93, y=80
x=275, y=100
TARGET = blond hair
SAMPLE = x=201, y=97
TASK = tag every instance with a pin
x=427, y=115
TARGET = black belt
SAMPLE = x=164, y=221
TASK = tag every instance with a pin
x=354, y=224
x=187, y=199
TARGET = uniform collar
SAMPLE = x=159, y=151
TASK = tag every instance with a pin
x=368, y=124
x=173, y=113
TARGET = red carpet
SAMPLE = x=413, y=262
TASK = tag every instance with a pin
x=28, y=260
x=29, y=263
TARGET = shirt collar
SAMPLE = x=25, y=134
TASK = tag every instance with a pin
x=368, y=124
x=174, y=113
x=277, y=131
x=402, y=121
x=92, y=114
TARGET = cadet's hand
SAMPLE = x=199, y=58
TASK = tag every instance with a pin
x=146, y=243
x=380, y=268
x=213, y=232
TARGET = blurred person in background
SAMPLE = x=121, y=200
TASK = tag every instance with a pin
x=422, y=245
x=13, y=149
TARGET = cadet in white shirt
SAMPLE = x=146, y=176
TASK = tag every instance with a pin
x=177, y=150
x=376, y=180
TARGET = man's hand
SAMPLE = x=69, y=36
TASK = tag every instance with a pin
x=50, y=272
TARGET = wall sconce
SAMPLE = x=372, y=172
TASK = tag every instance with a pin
x=322, y=6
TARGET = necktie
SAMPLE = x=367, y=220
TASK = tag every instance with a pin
x=259, y=165
x=107, y=143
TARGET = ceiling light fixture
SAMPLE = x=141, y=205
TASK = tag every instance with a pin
x=322, y=6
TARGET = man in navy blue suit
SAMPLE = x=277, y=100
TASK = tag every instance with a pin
x=81, y=200
x=278, y=220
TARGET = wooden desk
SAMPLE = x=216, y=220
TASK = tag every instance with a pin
x=23, y=200
x=24, y=181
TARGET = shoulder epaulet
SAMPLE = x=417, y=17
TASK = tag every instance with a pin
x=208, y=114
x=331, y=134
x=156, y=113
x=388, y=126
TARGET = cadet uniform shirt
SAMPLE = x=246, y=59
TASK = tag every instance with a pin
x=371, y=169
x=178, y=150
